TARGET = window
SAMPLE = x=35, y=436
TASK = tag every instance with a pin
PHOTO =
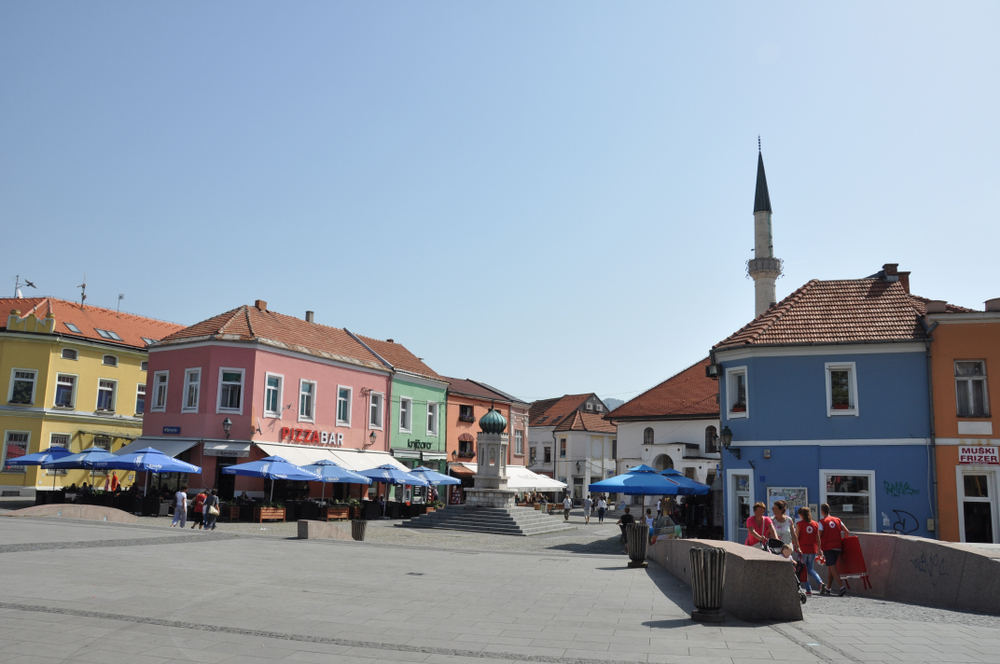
x=405, y=413
x=848, y=492
x=736, y=392
x=160, y=379
x=72, y=328
x=307, y=399
x=465, y=446
x=144, y=365
x=149, y=342
x=841, y=389
x=106, y=395
x=15, y=445
x=432, y=419
x=110, y=361
x=532, y=455
x=562, y=448
x=375, y=410
x=140, y=398
x=103, y=442
x=230, y=390
x=600, y=408
x=65, y=388
x=22, y=386
x=192, y=390
x=548, y=455
x=69, y=354
x=970, y=389
x=58, y=440
x=519, y=442
x=272, y=396
x=647, y=436
x=344, y=406
x=711, y=445
x=107, y=334
x=465, y=414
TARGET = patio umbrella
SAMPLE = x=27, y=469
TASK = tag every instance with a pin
x=332, y=472
x=389, y=474
x=689, y=487
x=149, y=460
x=639, y=481
x=38, y=458
x=84, y=459
x=273, y=468
x=433, y=477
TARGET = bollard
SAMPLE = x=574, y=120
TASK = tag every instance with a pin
x=358, y=530
x=708, y=575
x=637, y=541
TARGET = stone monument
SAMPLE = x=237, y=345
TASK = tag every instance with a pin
x=491, y=475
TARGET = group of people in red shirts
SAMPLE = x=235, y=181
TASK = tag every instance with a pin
x=807, y=538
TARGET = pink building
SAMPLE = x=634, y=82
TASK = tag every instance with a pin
x=280, y=385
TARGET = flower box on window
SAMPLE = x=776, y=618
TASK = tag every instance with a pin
x=841, y=406
x=466, y=418
x=739, y=408
x=466, y=455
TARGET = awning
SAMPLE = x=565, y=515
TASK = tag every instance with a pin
x=406, y=454
x=461, y=470
x=303, y=455
x=364, y=459
x=227, y=448
x=169, y=446
x=519, y=478
x=433, y=456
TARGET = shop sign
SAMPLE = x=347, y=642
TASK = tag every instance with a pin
x=419, y=444
x=226, y=453
x=171, y=431
x=312, y=437
x=978, y=455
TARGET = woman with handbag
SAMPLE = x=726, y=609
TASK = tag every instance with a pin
x=211, y=509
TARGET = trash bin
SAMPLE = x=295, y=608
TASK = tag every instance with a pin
x=637, y=541
x=708, y=575
x=358, y=530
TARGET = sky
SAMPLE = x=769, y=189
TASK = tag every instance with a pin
x=549, y=197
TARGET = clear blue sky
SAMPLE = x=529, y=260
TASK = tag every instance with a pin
x=552, y=197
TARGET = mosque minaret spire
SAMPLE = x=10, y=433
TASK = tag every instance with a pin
x=763, y=268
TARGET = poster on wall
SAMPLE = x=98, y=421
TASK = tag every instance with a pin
x=795, y=496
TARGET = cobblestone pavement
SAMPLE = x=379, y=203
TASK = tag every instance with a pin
x=94, y=591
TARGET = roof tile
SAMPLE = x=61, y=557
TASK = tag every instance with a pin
x=688, y=394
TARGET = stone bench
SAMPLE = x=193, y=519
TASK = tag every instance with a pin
x=309, y=529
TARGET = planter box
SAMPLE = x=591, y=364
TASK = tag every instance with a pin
x=261, y=514
x=841, y=406
x=230, y=513
x=431, y=509
x=334, y=513
x=739, y=409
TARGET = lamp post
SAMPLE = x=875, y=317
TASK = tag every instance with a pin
x=726, y=438
x=227, y=424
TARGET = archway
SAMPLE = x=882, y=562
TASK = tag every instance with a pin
x=663, y=462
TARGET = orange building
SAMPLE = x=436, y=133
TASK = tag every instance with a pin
x=965, y=370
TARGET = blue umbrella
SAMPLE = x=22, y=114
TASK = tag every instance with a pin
x=272, y=468
x=389, y=474
x=150, y=460
x=38, y=458
x=689, y=487
x=84, y=459
x=433, y=477
x=639, y=481
x=330, y=471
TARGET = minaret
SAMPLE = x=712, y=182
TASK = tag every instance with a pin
x=763, y=268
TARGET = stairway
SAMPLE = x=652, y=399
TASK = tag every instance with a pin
x=495, y=520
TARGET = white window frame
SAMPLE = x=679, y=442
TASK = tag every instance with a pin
x=518, y=442
x=69, y=441
x=219, y=408
x=72, y=328
x=991, y=473
x=379, y=408
x=72, y=351
x=969, y=380
x=872, y=493
x=140, y=389
x=731, y=513
x=144, y=365
x=433, y=417
x=76, y=384
x=112, y=363
x=114, y=396
x=852, y=379
x=731, y=374
x=312, y=405
x=3, y=451
x=34, y=385
x=350, y=405
x=153, y=407
x=276, y=414
x=409, y=415
x=188, y=383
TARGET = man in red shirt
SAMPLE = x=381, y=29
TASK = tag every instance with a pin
x=832, y=531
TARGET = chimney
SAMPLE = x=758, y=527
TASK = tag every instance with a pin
x=388, y=341
x=890, y=270
x=937, y=307
x=309, y=317
x=260, y=304
x=993, y=305
x=904, y=278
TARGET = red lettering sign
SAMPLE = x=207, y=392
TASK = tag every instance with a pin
x=978, y=455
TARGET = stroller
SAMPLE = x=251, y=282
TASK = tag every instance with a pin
x=775, y=546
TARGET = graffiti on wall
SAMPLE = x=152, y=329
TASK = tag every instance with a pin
x=933, y=566
x=899, y=489
x=904, y=524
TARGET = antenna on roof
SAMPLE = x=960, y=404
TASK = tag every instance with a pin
x=758, y=142
x=18, y=284
x=83, y=290
x=121, y=296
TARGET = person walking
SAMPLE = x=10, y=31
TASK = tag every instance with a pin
x=180, y=507
x=198, y=517
x=567, y=506
x=784, y=525
x=759, y=527
x=831, y=535
x=602, y=507
x=211, y=503
x=588, y=507
x=808, y=534
x=623, y=521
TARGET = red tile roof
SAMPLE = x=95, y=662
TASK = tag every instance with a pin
x=247, y=323
x=130, y=328
x=549, y=412
x=471, y=388
x=687, y=395
x=843, y=311
x=399, y=357
x=580, y=421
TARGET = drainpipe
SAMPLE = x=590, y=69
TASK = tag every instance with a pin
x=932, y=450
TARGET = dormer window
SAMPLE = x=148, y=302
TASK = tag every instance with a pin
x=600, y=408
x=72, y=328
x=149, y=342
x=590, y=407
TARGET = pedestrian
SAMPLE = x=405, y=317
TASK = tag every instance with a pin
x=649, y=524
x=831, y=534
x=602, y=507
x=588, y=507
x=211, y=509
x=567, y=506
x=198, y=518
x=784, y=525
x=623, y=521
x=180, y=507
x=808, y=534
x=759, y=527
x=659, y=507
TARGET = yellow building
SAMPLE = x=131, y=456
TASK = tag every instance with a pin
x=73, y=376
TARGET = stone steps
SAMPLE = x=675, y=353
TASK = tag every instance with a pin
x=522, y=521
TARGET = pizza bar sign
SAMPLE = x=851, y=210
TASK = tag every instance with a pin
x=311, y=436
x=978, y=455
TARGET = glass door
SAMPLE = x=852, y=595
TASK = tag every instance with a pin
x=741, y=493
x=978, y=508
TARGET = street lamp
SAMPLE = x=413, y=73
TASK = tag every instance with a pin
x=227, y=424
x=371, y=440
x=726, y=438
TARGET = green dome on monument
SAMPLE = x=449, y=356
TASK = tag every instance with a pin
x=492, y=422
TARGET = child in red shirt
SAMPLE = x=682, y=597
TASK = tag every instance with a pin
x=808, y=532
x=832, y=531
